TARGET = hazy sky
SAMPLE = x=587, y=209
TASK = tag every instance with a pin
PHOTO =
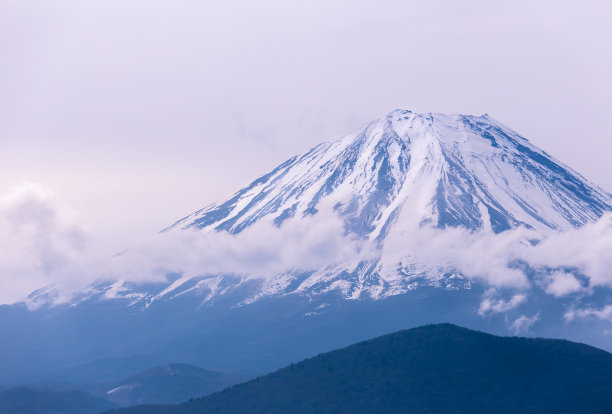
x=135, y=113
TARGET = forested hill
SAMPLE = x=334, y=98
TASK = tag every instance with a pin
x=432, y=369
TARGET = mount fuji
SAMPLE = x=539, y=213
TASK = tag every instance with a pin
x=386, y=184
x=400, y=173
x=406, y=168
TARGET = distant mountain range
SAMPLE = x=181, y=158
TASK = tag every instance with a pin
x=432, y=369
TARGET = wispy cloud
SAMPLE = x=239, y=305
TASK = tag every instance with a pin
x=604, y=313
x=523, y=324
x=262, y=250
x=490, y=304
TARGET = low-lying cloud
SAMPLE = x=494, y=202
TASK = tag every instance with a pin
x=39, y=245
x=520, y=257
x=42, y=245
x=262, y=250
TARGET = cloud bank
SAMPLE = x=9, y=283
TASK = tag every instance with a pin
x=560, y=263
x=44, y=245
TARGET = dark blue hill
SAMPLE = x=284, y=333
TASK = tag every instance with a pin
x=433, y=369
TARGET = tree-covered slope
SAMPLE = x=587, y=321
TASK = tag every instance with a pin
x=432, y=369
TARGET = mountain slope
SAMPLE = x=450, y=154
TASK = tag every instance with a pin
x=432, y=369
x=402, y=173
x=453, y=170
x=399, y=174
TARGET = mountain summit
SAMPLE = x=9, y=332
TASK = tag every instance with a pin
x=408, y=168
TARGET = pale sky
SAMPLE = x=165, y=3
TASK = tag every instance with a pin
x=136, y=113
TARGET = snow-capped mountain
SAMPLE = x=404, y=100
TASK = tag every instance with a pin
x=387, y=187
x=452, y=170
x=399, y=173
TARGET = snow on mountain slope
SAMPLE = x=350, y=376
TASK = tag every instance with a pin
x=400, y=174
x=406, y=168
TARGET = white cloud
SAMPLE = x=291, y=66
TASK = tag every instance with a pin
x=588, y=249
x=496, y=259
x=262, y=250
x=562, y=284
x=39, y=244
x=605, y=313
x=480, y=256
x=523, y=323
x=43, y=246
x=491, y=305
